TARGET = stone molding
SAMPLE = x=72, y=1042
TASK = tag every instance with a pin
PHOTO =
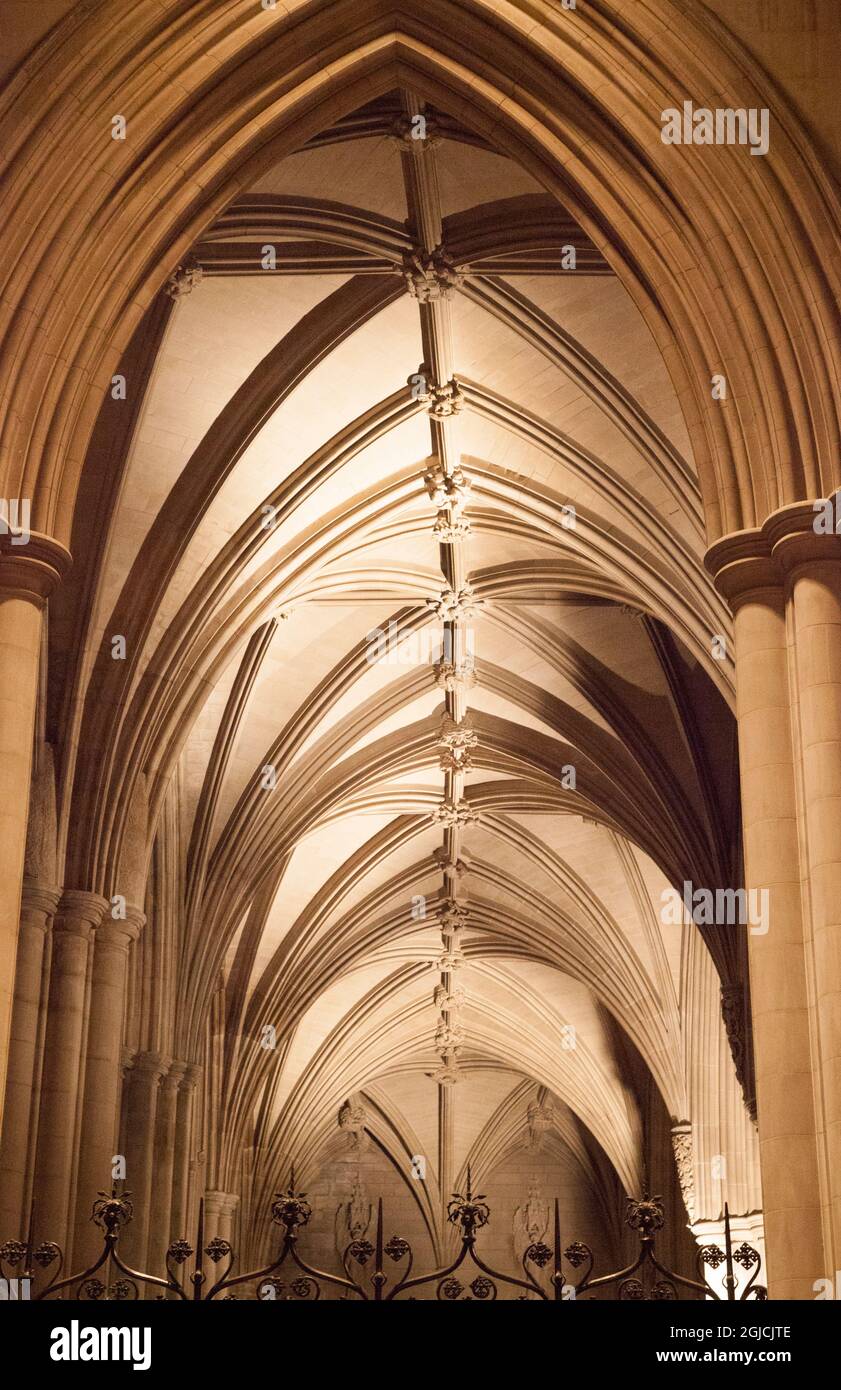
x=682, y=1144
x=455, y=605
x=430, y=275
x=401, y=133
x=150, y=1064
x=39, y=901
x=442, y=399
x=751, y=563
x=452, y=676
x=183, y=280
x=33, y=570
x=540, y=1118
x=173, y=1078
x=455, y=813
x=119, y=933
x=220, y=1203
x=79, y=912
x=191, y=1077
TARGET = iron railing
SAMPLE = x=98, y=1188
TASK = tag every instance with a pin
x=367, y=1276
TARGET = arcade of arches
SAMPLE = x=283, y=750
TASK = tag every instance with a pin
x=400, y=614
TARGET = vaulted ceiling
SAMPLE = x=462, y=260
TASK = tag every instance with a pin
x=426, y=692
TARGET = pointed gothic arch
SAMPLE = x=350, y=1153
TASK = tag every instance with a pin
x=245, y=86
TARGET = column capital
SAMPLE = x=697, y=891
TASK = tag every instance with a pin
x=78, y=912
x=117, y=933
x=34, y=568
x=136, y=916
x=794, y=540
x=224, y=1203
x=190, y=1079
x=741, y=566
x=121, y=931
x=40, y=901
x=174, y=1076
x=746, y=564
x=150, y=1063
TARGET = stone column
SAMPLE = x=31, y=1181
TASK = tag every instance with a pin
x=179, y=1215
x=165, y=1139
x=78, y=914
x=126, y=1063
x=141, y=1110
x=20, y=1112
x=218, y=1214
x=28, y=574
x=98, y=1133
x=788, y=1148
x=812, y=564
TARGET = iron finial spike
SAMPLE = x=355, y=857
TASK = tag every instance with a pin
x=292, y=1178
x=557, y=1265
x=198, y=1273
x=379, y=1279
x=29, y=1234
x=469, y=1184
x=729, y=1280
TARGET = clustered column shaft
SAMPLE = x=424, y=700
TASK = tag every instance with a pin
x=784, y=585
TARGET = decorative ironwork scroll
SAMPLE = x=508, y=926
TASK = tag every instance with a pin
x=469, y=1214
x=647, y=1280
x=380, y=1270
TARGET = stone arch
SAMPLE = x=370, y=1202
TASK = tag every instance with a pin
x=586, y=126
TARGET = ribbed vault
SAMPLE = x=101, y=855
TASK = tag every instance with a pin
x=422, y=697
x=216, y=96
